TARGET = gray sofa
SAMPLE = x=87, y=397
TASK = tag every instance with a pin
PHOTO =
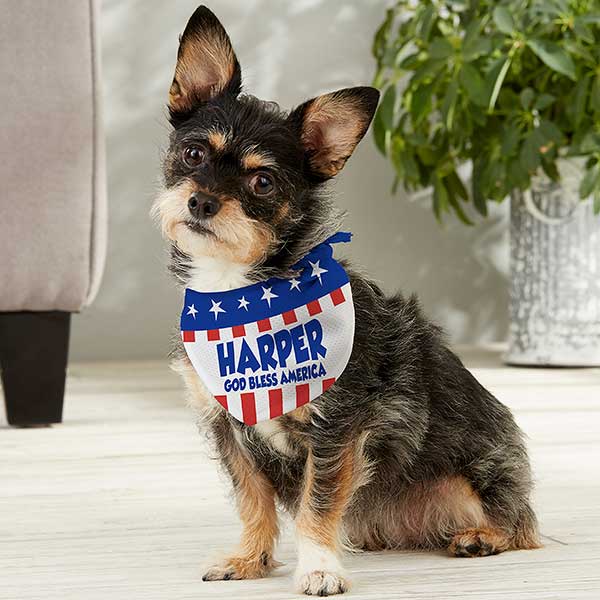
x=52, y=197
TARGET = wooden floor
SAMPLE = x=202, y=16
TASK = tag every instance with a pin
x=121, y=502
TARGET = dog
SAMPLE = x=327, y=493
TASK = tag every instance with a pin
x=406, y=449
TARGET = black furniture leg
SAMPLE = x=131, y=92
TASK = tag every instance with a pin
x=33, y=360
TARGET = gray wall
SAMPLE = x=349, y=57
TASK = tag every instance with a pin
x=289, y=51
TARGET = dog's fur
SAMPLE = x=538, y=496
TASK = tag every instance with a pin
x=407, y=449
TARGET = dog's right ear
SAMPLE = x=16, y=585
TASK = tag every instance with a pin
x=330, y=127
x=206, y=64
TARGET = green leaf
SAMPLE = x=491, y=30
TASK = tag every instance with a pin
x=459, y=5
x=550, y=132
x=553, y=56
x=427, y=71
x=590, y=143
x=473, y=84
x=456, y=184
x=526, y=96
x=478, y=47
x=580, y=97
x=584, y=144
x=495, y=79
x=472, y=32
x=530, y=151
x=504, y=20
x=379, y=134
x=427, y=155
x=543, y=101
x=590, y=18
x=411, y=168
x=479, y=199
x=396, y=149
x=410, y=62
x=383, y=124
x=551, y=170
x=449, y=104
x=440, y=48
x=595, y=95
x=582, y=30
x=404, y=161
x=455, y=204
x=382, y=35
x=590, y=182
x=387, y=106
x=440, y=198
x=576, y=49
x=420, y=104
x=518, y=175
x=426, y=22
x=510, y=140
x=597, y=202
x=549, y=8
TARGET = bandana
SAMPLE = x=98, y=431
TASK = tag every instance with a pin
x=273, y=346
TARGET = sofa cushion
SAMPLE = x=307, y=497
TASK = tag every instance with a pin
x=52, y=204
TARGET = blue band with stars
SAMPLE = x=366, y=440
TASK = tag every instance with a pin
x=319, y=275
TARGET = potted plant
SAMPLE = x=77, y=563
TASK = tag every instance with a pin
x=509, y=89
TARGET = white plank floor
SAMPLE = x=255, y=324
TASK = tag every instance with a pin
x=122, y=502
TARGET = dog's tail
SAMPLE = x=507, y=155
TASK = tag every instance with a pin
x=526, y=535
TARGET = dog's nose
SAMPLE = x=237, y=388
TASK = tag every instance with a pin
x=203, y=206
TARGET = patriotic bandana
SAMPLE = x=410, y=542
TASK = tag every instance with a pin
x=268, y=348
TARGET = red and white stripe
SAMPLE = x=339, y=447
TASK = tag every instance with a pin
x=281, y=321
x=248, y=406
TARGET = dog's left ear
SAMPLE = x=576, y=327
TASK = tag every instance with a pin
x=206, y=64
x=331, y=126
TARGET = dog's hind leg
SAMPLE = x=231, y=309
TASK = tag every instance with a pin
x=486, y=541
x=483, y=541
x=503, y=484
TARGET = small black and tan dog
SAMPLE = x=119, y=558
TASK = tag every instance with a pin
x=407, y=449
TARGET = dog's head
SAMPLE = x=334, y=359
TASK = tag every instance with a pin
x=242, y=178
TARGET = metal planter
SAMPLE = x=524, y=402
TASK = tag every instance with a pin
x=555, y=274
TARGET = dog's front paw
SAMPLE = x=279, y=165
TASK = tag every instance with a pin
x=322, y=583
x=241, y=567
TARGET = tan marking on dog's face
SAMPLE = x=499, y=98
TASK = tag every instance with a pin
x=283, y=212
x=233, y=235
x=218, y=140
x=257, y=160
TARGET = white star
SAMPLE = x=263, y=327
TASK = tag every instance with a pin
x=317, y=270
x=216, y=309
x=243, y=303
x=268, y=295
x=294, y=284
x=192, y=311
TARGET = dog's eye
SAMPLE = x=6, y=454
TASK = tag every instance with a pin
x=193, y=156
x=262, y=184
